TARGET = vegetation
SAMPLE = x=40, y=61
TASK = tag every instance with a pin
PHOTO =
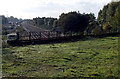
x=107, y=21
x=44, y=23
x=74, y=21
x=92, y=57
x=12, y=19
x=88, y=57
x=109, y=17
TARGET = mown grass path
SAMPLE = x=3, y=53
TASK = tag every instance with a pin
x=86, y=58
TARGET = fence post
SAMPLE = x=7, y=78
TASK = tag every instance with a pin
x=18, y=36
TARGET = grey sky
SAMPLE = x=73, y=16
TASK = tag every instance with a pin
x=49, y=8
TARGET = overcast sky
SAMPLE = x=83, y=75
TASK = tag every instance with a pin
x=48, y=8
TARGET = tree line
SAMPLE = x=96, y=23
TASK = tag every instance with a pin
x=108, y=21
x=44, y=22
x=72, y=21
x=109, y=17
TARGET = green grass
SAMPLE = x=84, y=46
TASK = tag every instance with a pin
x=86, y=58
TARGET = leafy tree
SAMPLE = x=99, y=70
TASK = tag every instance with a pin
x=116, y=18
x=109, y=17
x=45, y=23
x=74, y=21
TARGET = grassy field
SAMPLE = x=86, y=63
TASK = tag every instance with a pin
x=94, y=57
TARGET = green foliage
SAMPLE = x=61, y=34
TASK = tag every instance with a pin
x=4, y=42
x=93, y=28
x=96, y=31
x=45, y=23
x=74, y=21
x=110, y=16
x=116, y=18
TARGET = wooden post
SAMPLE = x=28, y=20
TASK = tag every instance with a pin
x=18, y=36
